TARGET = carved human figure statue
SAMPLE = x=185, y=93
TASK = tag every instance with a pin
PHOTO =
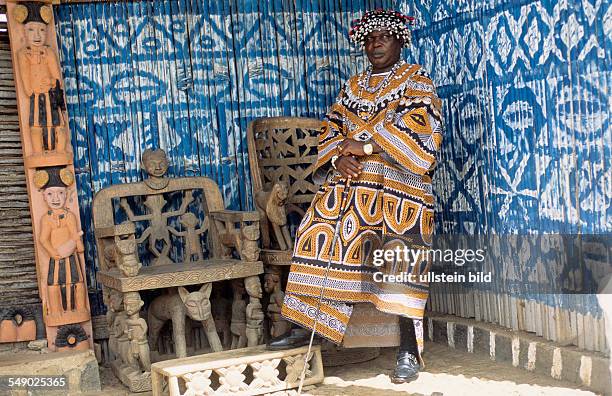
x=126, y=258
x=248, y=245
x=254, y=311
x=60, y=237
x=175, y=306
x=138, y=356
x=41, y=79
x=271, y=208
x=238, y=322
x=272, y=286
x=193, y=245
x=114, y=301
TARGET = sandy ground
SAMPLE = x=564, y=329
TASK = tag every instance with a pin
x=449, y=372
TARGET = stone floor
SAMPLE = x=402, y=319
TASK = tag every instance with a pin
x=448, y=372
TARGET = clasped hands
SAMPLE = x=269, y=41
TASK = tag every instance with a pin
x=347, y=163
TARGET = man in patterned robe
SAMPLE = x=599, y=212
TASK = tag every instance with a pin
x=383, y=133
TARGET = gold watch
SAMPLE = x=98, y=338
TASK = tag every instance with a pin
x=368, y=149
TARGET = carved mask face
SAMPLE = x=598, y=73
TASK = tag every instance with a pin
x=35, y=33
x=55, y=197
x=132, y=304
x=156, y=166
x=270, y=281
x=198, y=306
x=197, y=303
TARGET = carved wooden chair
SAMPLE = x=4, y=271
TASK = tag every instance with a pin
x=285, y=148
x=167, y=230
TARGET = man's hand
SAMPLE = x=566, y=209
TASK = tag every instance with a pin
x=348, y=167
x=351, y=147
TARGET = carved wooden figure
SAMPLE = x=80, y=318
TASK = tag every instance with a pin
x=41, y=80
x=271, y=207
x=175, y=306
x=138, y=356
x=272, y=286
x=193, y=246
x=238, y=323
x=114, y=302
x=61, y=239
x=254, y=311
x=125, y=256
x=248, y=243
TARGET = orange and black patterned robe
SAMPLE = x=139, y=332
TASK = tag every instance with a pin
x=390, y=204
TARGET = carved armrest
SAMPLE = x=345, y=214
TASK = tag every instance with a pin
x=239, y=230
x=234, y=216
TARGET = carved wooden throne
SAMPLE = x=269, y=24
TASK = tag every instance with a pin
x=285, y=148
x=163, y=221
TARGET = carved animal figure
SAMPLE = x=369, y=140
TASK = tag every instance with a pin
x=175, y=306
x=271, y=208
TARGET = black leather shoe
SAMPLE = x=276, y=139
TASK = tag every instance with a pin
x=406, y=369
x=292, y=339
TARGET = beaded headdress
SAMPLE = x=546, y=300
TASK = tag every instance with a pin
x=394, y=21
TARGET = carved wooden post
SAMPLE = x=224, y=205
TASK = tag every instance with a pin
x=50, y=175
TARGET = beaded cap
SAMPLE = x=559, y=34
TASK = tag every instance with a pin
x=380, y=19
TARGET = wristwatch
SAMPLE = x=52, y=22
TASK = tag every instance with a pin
x=368, y=149
x=333, y=161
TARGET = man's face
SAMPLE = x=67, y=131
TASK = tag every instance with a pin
x=156, y=166
x=383, y=50
x=55, y=197
x=36, y=34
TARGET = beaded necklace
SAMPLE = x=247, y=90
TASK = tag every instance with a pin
x=365, y=111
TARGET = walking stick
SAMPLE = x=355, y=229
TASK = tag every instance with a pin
x=343, y=200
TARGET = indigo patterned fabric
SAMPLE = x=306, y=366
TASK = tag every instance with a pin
x=523, y=83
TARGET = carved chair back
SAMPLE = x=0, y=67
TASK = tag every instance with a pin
x=108, y=214
x=284, y=148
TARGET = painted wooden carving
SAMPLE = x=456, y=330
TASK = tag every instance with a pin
x=60, y=237
x=50, y=176
x=272, y=286
x=175, y=306
x=41, y=80
x=271, y=207
x=17, y=324
x=71, y=338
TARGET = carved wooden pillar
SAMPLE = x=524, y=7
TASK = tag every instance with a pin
x=47, y=152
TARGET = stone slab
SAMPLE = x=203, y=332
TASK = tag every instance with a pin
x=80, y=369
